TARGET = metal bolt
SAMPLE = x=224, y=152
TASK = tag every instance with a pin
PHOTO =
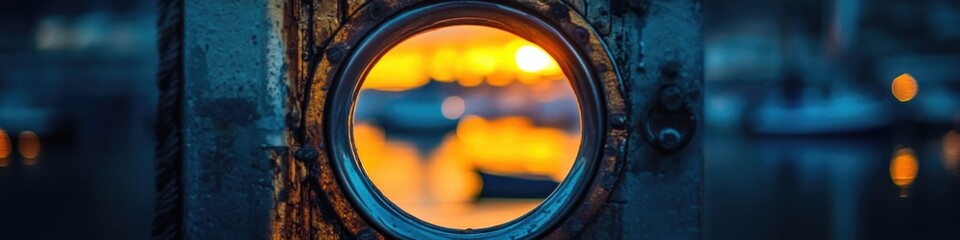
x=669, y=138
x=671, y=98
x=619, y=121
x=582, y=35
x=306, y=153
x=335, y=54
x=377, y=11
x=306, y=55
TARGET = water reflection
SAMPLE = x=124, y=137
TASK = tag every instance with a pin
x=950, y=146
x=514, y=146
x=29, y=145
x=443, y=188
x=5, y=147
x=903, y=169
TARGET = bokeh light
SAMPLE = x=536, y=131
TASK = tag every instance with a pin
x=5, y=146
x=29, y=145
x=531, y=58
x=468, y=55
x=904, y=87
x=950, y=147
x=903, y=169
x=452, y=107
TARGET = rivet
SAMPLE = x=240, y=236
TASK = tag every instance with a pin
x=305, y=55
x=335, y=54
x=581, y=34
x=619, y=121
x=377, y=11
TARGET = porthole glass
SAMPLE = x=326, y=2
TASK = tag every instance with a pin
x=466, y=126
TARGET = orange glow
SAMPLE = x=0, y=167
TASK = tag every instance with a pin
x=465, y=54
x=393, y=167
x=452, y=177
x=397, y=71
x=904, y=87
x=5, y=147
x=442, y=66
x=452, y=107
x=28, y=144
x=951, y=152
x=521, y=148
x=440, y=189
x=531, y=58
x=903, y=169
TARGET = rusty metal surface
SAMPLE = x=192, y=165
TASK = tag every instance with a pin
x=278, y=182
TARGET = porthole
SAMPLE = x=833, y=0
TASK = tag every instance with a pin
x=579, y=58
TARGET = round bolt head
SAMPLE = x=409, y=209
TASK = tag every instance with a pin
x=669, y=138
x=335, y=54
x=582, y=35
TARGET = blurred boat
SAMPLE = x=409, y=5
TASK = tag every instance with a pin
x=515, y=186
x=841, y=112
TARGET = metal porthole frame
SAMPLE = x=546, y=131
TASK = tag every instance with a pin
x=379, y=25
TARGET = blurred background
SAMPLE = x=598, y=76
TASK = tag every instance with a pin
x=814, y=131
x=808, y=135
x=80, y=75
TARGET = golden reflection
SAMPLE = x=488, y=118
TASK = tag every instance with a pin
x=442, y=189
x=468, y=55
x=5, y=146
x=29, y=145
x=903, y=169
x=904, y=87
x=520, y=147
x=951, y=152
x=397, y=71
x=393, y=166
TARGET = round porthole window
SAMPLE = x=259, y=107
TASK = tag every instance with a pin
x=466, y=126
x=471, y=120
